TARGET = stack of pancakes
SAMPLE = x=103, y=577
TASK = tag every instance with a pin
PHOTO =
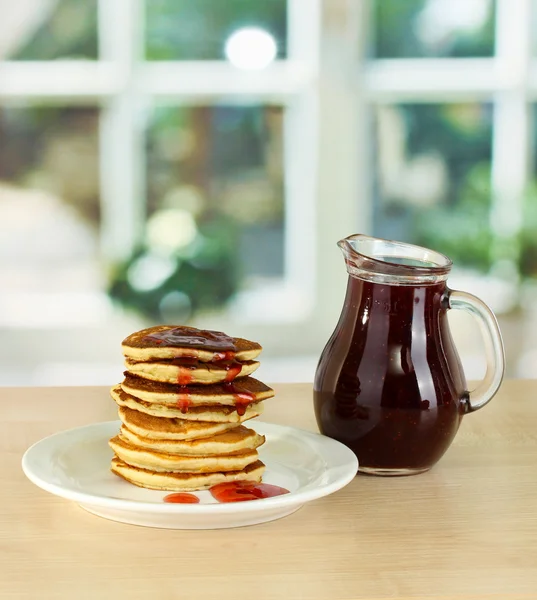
x=182, y=403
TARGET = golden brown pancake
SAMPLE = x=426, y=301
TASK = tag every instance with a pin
x=141, y=346
x=204, y=373
x=213, y=414
x=145, y=458
x=166, y=428
x=183, y=482
x=224, y=394
x=236, y=440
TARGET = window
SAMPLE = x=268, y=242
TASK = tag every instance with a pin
x=187, y=30
x=44, y=31
x=452, y=122
x=184, y=183
x=439, y=28
x=162, y=158
x=433, y=178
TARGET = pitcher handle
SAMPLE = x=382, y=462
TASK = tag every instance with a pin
x=493, y=346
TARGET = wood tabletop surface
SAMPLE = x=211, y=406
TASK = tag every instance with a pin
x=466, y=529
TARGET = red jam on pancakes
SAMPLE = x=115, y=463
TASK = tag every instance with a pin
x=243, y=399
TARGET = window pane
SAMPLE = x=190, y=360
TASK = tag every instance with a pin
x=199, y=29
x=528, y=241
x=522, y=328
x=215, y=210
x=433, y=178
x=44, y=30
x=534, y=27
x=53, y=290
x=421, y=28
x=49, y=196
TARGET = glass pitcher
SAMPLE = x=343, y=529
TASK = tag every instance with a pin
x=389, y=383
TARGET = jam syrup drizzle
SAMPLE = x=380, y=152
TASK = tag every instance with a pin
x=223, y=356
x=188, y=337
x=225, y=360
x=184, y=377
x=224, y=349
x=233, y=371
x=183, y=400
x=242, y=398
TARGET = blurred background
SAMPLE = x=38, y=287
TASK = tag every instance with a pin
x=196, y=161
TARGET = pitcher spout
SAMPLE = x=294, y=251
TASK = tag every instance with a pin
x=387, y=261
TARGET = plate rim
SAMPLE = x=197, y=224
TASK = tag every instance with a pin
x=297, y=498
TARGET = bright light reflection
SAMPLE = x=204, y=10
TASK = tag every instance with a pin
x=250, y=49
x=443, y=18
x=171, y=229
x=150, y=271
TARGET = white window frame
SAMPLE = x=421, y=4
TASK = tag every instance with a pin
x=507, y=80
x=328, y=88
x=123, y=85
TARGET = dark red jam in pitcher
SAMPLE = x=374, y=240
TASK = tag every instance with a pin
x=389, y=383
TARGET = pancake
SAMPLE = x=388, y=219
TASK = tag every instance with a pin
x=186, y=374
x=200, y=344
x=183, y=482
x=165, y=428
x=145, y=458
x=236, y=440
x=212, y=414
x=223, y=394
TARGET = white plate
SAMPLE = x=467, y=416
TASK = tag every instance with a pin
x=75, y=464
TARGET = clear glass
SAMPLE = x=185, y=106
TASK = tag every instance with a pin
x=199, y=29
x=386, y=261
x=433, y=178
x=390, y=384
x=433, y=28
x=44, y=30
x=215, y=210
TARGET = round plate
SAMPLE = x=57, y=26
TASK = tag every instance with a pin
x=75, y=464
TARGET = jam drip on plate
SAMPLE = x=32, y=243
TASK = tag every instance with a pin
x=187, y=337
x=234, y=491
x=181, y=498
x=242, y=491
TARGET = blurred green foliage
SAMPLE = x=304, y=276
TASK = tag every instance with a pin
x=528, y=235
x=68, y=32
x=206, y=274
x=461, y=134
x=198, y=29
x=194, y=154
x=209, y=273
x=395, y=33
x=463, y=234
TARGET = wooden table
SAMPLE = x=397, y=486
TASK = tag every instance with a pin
x=467, y=529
